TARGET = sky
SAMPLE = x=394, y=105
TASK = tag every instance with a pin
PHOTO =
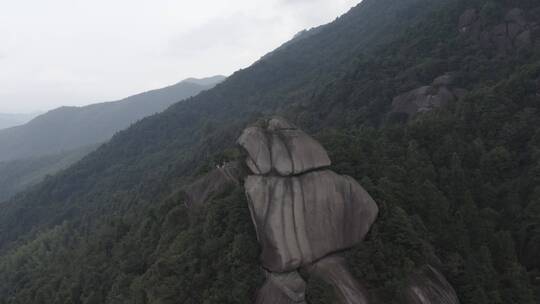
x=76, y=52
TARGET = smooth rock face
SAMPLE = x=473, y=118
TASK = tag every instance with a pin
x=304, y=218
x=429, y=286
x=282, y=148
x=333, y=270
x=282, y=289
x=427, y=98
x=513, y=33
x=255, y=141
x=467, y=19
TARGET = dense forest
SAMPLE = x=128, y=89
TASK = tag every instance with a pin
x=456, y=176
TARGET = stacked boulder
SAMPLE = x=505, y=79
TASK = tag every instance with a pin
x=516, y=31
x=304, y=213
x=427, y=98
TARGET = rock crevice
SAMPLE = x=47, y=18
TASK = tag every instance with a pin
x=303, y=212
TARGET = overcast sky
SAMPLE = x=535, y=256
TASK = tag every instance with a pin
x=77, y=52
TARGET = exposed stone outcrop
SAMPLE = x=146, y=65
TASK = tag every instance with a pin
x=303, y=218
x=303, y=213
x=333, y=270
x=282, y=148
x=282, y=288
x=426, y=98
x=429, y=286
x=513, y=33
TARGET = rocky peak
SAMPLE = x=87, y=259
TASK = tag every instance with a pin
x=512, y=33
x=278, y=146
x=303, y=213
x=427, y=98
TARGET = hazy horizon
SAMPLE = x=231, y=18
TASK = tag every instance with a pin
x=74, y=53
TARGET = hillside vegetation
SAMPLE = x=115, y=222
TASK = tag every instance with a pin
x=456, y=183
x=10, y=120
x=69, y=128
x=59, y=138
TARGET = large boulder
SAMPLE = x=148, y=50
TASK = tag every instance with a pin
x=423, y=99
x=441, y=92
x=333, y=270
x=281, y=148
x=302, y=219
x=512, y=33
x=282, y=288
x=429, y=286
x=467, y=20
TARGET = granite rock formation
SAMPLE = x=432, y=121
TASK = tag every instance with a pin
x=429, y=286
x=282, y=288
x=318, y=213
x=514, y=33
x=333, y=270
x=427, y=98
x=284, y=150
x=303, y=212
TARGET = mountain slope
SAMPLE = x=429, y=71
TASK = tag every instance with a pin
x=69, y=128
x=17, y=175
x=11, y=120
x=456, y=184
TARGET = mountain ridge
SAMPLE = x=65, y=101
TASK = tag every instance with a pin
x=455, y=186
x=8, y=120
x=29, y=164
x=68, y=128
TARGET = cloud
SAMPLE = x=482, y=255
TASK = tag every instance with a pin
x=75, y=52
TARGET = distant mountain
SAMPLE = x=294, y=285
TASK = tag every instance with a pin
x=70, y=128
x=209, y=81
x=433, y=105
x=61, y=137
x=8, y=120
x=20, y=174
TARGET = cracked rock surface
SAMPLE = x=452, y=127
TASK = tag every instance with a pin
x=429, y=286
x=301, y=219
x=303, y=212
x=282, y=149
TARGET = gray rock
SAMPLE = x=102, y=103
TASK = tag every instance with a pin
x=429, y=286
x=499, y=36
x=517, y=16
x=282, y=148
x=304, y=218
x=513, y=30
x=516, y=32
x=459, y=93
x=467, y=19
x=424, y=99
x=333, y=270
x=524, y=40
x=444, y=80
x=279, y=123
x=255, y=142
x=282, y=288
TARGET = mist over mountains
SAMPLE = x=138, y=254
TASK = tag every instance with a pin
x=55, y=140
x=432, y=105
x=10, y=120
x=68, y=128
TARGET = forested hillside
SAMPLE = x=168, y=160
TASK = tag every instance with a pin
x=59, y=138
x=69, y=128
x=431, y=104
x=10, y=120
x=17, y=175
